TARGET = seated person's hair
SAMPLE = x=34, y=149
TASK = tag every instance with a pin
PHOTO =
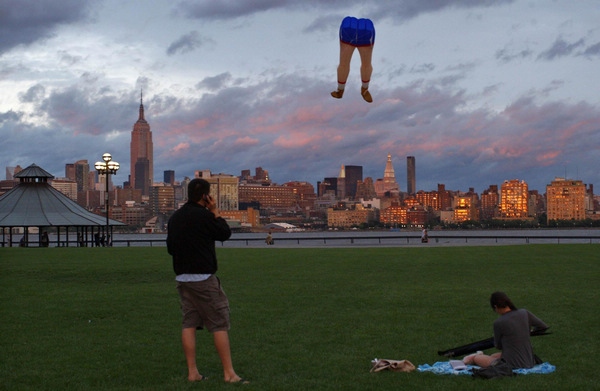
x=501, y=300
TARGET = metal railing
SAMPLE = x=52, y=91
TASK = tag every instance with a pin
x=396, y=239
x=357, y=240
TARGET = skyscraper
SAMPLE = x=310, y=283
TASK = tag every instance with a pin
x=389, y=177
x=82, y=171
x=141, y=154
x=169, y=177
x=341, y=184
x=566, y=199
x=411, y=186
x=354, y=174
x=514, y=197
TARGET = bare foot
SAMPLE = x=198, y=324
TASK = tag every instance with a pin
x=197, y=377
x=237, y=379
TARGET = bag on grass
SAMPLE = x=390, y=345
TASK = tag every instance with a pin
x=392, y=365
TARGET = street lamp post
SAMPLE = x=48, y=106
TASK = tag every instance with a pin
x=107, y=167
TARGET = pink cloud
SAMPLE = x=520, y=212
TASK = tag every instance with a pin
x=547, y=159
x=296, y=140
x=246, y=141
x=180, y=149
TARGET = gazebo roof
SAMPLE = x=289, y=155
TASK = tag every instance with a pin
x=37, y=204
x=34, y=171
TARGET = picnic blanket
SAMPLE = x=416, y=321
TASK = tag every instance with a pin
x=444, y=368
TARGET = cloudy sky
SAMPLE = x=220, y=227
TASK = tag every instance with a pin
x=479, y=91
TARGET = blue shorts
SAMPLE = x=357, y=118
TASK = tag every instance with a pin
x=357, y=32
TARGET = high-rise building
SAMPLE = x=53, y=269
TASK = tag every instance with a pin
x=305, y=193
x=411, y=182
x=267, y=196
x=565, y=199
x=388, y=184
x=514, y=197
x=66, y=186
x=82, y=175
x=490, y=200
x=445, y=197
x=142, y=161
x=389, y=176
x=169, y=177
x=354, y=174
x=223, y=189
x=429, y=199
x=12, y=171
x=328, y=186
x=366, y=189
x=341, y=184
x=466, y=207
x=70, y=171
x=162, y=199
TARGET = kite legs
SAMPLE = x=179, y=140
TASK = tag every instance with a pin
x=366, y=69
x=343, y=70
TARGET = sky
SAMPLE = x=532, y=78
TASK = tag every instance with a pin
x=479, y=91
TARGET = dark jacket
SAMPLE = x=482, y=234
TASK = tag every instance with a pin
x=192, y=232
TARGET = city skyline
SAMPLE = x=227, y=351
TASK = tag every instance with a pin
x=384, y=175
x=479, y=93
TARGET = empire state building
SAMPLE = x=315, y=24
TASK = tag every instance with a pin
x=142, y=171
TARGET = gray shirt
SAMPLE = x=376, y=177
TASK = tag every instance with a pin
x=512, y=336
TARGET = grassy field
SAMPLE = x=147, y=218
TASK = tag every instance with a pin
x=302, y=319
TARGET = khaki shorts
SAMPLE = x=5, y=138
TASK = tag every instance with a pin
x=204, y=305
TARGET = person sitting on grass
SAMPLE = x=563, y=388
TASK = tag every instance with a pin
x=511, y=335
x=269, y=240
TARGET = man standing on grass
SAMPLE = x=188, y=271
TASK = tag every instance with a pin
x=192, y=232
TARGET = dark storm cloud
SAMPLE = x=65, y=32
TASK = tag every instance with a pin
x=79, y=123
x=215, y=82
x=400, y=10
x=81, y=111
x=10, y=116
x=24, y=144
x=186, y=43
x=560, y=48
x=505, y=55
x=26, y=21
x=593, y=50
x=324, y=23
x=33, y=94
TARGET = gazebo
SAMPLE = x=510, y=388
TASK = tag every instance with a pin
x=34, y=203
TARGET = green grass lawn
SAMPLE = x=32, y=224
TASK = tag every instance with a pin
x=302, y=319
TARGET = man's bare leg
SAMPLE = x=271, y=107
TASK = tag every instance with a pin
x=188, y=340
x=224, y=350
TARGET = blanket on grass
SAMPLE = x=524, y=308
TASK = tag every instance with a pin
x=444, y=368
